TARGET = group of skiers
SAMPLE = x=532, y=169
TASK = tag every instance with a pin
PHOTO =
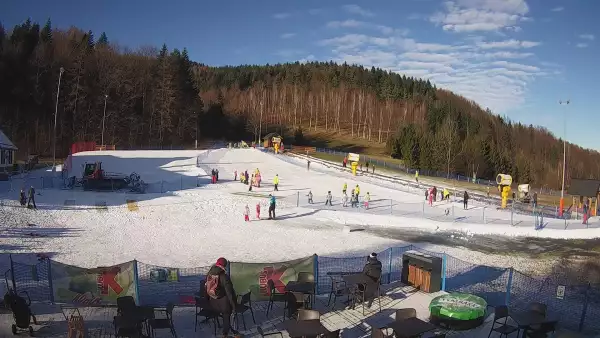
x=431, y=196
x=272, y=204
x=214, y=174
x=28, y=200
x=255, y=179
x=353, y=198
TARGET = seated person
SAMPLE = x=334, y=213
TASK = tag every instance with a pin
x=372, y=270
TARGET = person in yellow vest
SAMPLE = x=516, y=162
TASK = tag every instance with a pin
x=417, y=176
x=357, y=190
x=345, y=188
x=276, y=182
x=446, y=194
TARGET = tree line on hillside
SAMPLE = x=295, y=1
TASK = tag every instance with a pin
x=160, y=98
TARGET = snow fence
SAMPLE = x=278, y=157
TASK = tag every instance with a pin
x=577, y=306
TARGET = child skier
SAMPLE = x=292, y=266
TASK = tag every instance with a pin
x=247, y=213
x=235, y=175
x=310, y=197
x=367, y=199
x=328, y=199
x=352, y=199
x=431, y=197
x=345, y=200
x=276, y=182
x=344, y=188
x=22, y=198
x=257, y=210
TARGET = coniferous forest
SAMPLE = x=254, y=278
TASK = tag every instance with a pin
x=160, y=98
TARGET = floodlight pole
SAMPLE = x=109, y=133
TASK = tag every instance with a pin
x=62, y=70
x=562, y=189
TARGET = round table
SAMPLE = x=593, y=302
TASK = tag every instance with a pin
x=459, y=311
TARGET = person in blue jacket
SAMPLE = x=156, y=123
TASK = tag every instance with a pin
x=271, y=206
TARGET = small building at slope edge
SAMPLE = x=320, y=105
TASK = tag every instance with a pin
x=7, y=152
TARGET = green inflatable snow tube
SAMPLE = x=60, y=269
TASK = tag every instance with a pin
x=458, y=306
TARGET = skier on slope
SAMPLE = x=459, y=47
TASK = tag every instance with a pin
x=247, y=213
x=328, y=198
x=22, y=198
x=357, y=190
x=310, y=197
x=272, y=204
x=257, y=210
x=367, y=199
x=345, y=200
x=276, y=182
x=235, y=175
x=344, y=188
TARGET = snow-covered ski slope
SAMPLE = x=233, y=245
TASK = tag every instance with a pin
x=191, y=227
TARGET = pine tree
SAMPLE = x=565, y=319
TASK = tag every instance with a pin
x=103, y=40
x=46, y=33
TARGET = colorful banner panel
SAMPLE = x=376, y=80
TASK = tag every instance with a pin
x=254, y=276
x=99, y=286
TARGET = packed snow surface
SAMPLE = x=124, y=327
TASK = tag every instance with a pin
x=193, y=226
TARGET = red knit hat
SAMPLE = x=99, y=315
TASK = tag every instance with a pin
x=221, y=262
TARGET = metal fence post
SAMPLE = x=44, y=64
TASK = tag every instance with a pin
x=316, y=272
x=585, y=306
x=136, y=281
x=50, y=286
x=508, y=286
x=483, y=215
x=298, y=199
x=444, y=267
x=390, y=266
x=12, y=273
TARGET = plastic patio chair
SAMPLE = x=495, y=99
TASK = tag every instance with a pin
x=338, y=288
x=125, y=305
x=244, y=305
x=164, y=323
x=308, y=315
x=501, y=312
x=263, y=334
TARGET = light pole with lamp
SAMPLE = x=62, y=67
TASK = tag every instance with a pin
x=104, y=118
x=562, y=189
x=62, y=70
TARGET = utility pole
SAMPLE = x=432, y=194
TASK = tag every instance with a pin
x=562, y=189
x=62, y=70
x=104, y=117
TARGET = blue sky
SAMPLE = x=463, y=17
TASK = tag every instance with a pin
x=517, y=57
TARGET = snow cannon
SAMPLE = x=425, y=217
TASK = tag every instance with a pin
x=354, y=165
x=503, y=179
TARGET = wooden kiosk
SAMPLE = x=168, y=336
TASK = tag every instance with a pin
x=581, y=189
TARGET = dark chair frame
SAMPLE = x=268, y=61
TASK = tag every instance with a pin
x=242, y=308
x=124, y=304
x=274, y=296
x=362, y=294
x=163, y=323
x=501, y=312
x=338, y=288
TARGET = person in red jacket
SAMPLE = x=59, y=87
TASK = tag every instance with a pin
x=257, y=210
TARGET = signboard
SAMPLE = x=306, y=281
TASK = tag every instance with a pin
x=352, y=157
x=254, y=276
x=560, y=292
x=99, y=286
x=276, y=140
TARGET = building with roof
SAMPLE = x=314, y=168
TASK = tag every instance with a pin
x=7, y=151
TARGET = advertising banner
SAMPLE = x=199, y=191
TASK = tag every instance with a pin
x=254, y=276
x=92, y=287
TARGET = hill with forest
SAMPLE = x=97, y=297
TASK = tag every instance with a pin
x=151, y=98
